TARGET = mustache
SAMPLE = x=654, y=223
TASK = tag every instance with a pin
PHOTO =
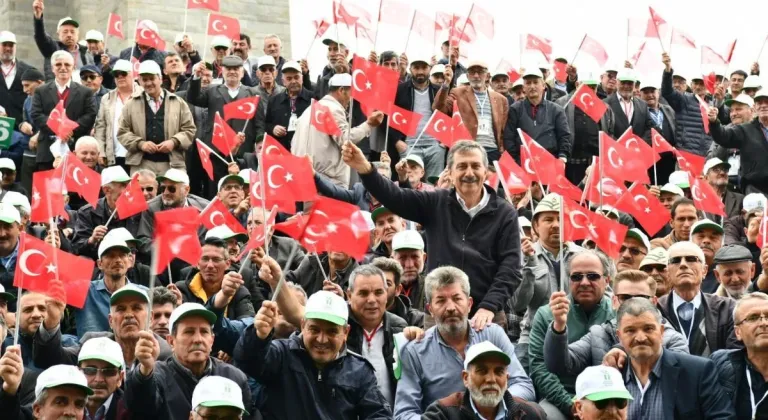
x=128, y=322
x=492, y=387
x=197, y=347
x=469, y=179
x=707, y=246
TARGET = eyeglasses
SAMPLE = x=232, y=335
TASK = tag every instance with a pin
x=268, y=69
x=690, y=259
x=119, y=74
x=220, y=48
x=576, y=277
x=648, y=268
x=105, y=372
x=147, y=189
x=753, y=319
x=625, y=296
x=89, y=77
x=719, y=170
x=232, y=187
x=632, y=251
x=170, y=188
x=603, y=404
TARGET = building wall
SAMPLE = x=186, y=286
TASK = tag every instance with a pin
x=257, y=18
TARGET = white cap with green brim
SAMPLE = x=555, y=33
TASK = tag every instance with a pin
x=61, y=375
x=484, y=348
x=640, y=236
x=114, y=174
x=550, y=202
x=672, y=189
x=190, y=309
x=679, y=178
x=246, y=175
x=175, y=175
x=9, y=214
x=111, y=243
x=218, y=391
x=626, y=75
x=327, y=306
x=597, y=383
x=743, y=98
x=706, y=224
x=129, y=289
x=656, y=256
x=102, y=348
x=17, y=200
x=235, y=177
x=588, y=78
x=224, y=233
x=5, y=295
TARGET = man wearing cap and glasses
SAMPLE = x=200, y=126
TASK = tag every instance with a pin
x=500, y=84
x=632, y=251
x=111, y=152
x=486, y=397
x=8, y=178
x=266, y=72
x=67, y=31
x=655, y=265
x=708, y=236
x=216, y=397
x=734, y=271
x=705, y=320
x=10, y=228
x=716, y=174
x=12, y=94
x=161, y=389
x=408, y=250
x=91, y=77
x=156, y=126
x=601, y=394
x=101, y=361
x=285, y=108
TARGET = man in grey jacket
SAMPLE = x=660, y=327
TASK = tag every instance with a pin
x=564, y=359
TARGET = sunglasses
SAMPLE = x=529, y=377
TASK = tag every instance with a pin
x=89, y=77
x=221, y=48
x=148, y=189
x=170, y=188
x=106, y=372
x=690, y=259
x=618, y=402
x=624, y=296
x=120, y=74
x=632, y=251
x=577, y=277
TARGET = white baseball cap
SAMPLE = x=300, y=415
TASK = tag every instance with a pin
x=327, y=306
x=523, y=222
x=648, y=84
x=67, y=21
x=266, y=60
x=415, y=159
x=7, y=36
x=437, y=68
x=407, y=239
x=149, y=67
x=246, y=175
x=532, y=72
x=122, y=65
x=235, y=177
x=17, y=199
x=7, y=163
x=175, y=175
x=462, y=80
x=597, y=383
x=94, y=35
x=61, y=375
x=752, y=82
x=220, y=41
x=482, y=349
x=752, y=201
x=9, y=213
x=190, y=308
x=217, y=391
x=477, y=63
x=711, y=163
x=706, y=224
x=679, y=178
x=291, y=65
x=672, y=189
x=340, y=80
x=225, y=233
x=102, y=348
x=120, y=233
x=743, y=98
x=129, y=289
x=640, y=236
x=113, y=242
x=114, y=174
x=626, y=75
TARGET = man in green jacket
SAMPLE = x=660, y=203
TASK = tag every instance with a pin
x=586, y=304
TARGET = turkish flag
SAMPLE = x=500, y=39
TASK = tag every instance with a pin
x=223, y=137
x=560, y=72
x=537, y=160
x=212, y=5
x=403, y=120
x=350, y=15
x=241, y=109
x=205, y=157
x=81, y=179
x=341, y=227
x=514, y=179
x=458, y=129
x=322, y=119
x=273, y=147
x=424, y=26
x=621, y=164
x=256, y=200
x=656, y=20
x=47, y=196
x=59, y=123
x=660, y=144
x=607, y=234
x=393, y=13
x=176, y=236
x=691, y=163
x=610, y=189
x=595, y=49
x=514, y=76
x=135, y=63
x=258, y=234
x=576, y=220
x=705, y=198
x=636, y=57
x=710, y=81
x=44, y=269
x=681, y=38
x=223, y=25
x=373, y=85
x=645, y=208
x=642, y=28
x=565, y=188
x=289, y=178
x=131, y=201
x=294, y=227
x=703, y=109
x=439, y=127
x=217, y=214
x=587, y=100
x=149, y=38
x=492, y=180
x=481, y=21
x=459, y=28
x=709, y=56
x=638, y=148
x=729, y=51
x=761, y=233
x=115, y=26
x=543, y=45
x=320, y=27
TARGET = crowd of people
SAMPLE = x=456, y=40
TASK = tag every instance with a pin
x=467, y=305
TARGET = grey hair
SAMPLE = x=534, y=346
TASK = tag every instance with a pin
x=266, y=37
x=466, y=146
x=608, y=268
x=382, y=165
x=442, y=277
x=746, y=297
x=161, y=295
x=146, y=173
x=86, y=141
x=40, y=399
x=298, y=288
x=687, y=244
x=636, y=307
x=62, y=54
x=365, y=270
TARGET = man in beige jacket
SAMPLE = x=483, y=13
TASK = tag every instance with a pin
x=156, y=126
x=111, y=152
x=324, y=148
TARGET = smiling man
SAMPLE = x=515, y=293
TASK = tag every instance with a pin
x=387, y=224
x=632, y=251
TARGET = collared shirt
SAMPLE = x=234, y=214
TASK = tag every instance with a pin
x=9, y=262
x=765, y=131
x=474, y=210
x=61, y=88
x=500, y=415
x=234, y=92
x=374, y=354
x=627, y=106
x=9, y=73
x=120, y=150
x=101, y=413
x=155, y=105
x=658, y=116
x=95, y=312
x=648, y=400
x=677, y=301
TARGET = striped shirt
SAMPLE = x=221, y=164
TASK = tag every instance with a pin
x=484, y=115
x=648, y=402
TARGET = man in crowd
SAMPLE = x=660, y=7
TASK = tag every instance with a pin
x=241, y=47
x=67, y=31
x=185, y=48
x=78, y=105
x=111, y=152
x=101, y=361
x=10, y=229
x=148, y=182
x=232, y=190
x=589, y=273
x=485, y=380
x=273, y=47
x=431, y=367
x=716, y=174
x=601, y=394
x=31, y=79
x=217, y=397
x=387, y=224
x=408, y=251
x=684, y=216
x=398, y=303
x=691, y=135
x=473, y=212
x=734, y=271
x=285, y=108
x=173, y=73
x=635, y=247
x=161, y=389
x=741, y=111
x=266, y=72
x=500, y=84
x=655, y=265
x=665, y=123
x=164, y=301
x=708, y=236
x=705, y=320
x=629, y=111
x=91, y=77
x=144, y=53
x=12, y=95
x=337, y=267
x=410, y=173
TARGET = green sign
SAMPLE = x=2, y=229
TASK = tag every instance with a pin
x=6, y=131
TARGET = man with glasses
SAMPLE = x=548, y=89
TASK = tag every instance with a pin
x=734, y=271
x=148, y=182
x=111, y=152
x=584, y=304
x=632, y=251
x=101, y=361
x=655, y=265
x=266, y=72
x=716, y=175
x=705, y=320
x=601, y=394
x=219, y=49
x=90, y=77
x=232, y=194
x=571, y=359
x=708, y=235
x=742, y=372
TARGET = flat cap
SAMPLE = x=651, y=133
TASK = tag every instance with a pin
x=32, y=75
x=732, y=253
x=232, y=61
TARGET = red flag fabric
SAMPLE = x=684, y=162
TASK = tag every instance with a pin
x=607, y=187
x=703, y=109
x=709, y=56
x=223, y=137
x=587, y=100
x=514, y=76
x=576, y=223
x=294, y=227
x=44, y=269
x=424, y=26
x=258, y=235
x=560, y=73
x=205, y=157
x=135, y=63
x=459, y=29
x=645, y=208
x=542, y=45
x=217, y=214
x=341, y=226
x=621, y=164
x=681, y=38
x=705, y=198
x=481, y=21
x=729, y=51
x=439, y=127
x=492, y=180
x=403, y=120
x=131, y=201
x=115, y=26
x=256, y=199
x=761, y=233
x=212, y=5
x=176, y=236
x=47, y=196
x=374, y=85
x=660, y=144
x=241, y=109
x=639, y=148
x=81, y=179
x=459, y=131
x=59, y=123
x=289, y=178
x=607, y=234
x=147, y=37
x=351, y=15
x=223, y=25
x=538, y=162
x=322, y=119
x=320, y=27
x=636, y=56
x=642, y=28
x=710, y=81
x=656, y=19
x=515, y=180
x=565, y=188
x=273, y=147
x=595, y=49
x=691, y=163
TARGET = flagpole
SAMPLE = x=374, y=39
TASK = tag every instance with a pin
x=152, y=280
x=538, y=178
x=628, y=23
x=170, y=278
x=579, y=49
x=215, y=153
x=600, y=166
x=110, y=217
x=205, y=46
x=106, y=34
x=658, y=34
x=761, y=50
x=18, y=298
x=378, y=24
x=520, y=53
x=655, y=178
x=311, y=44
x=408, y=152
x=186, y=9
x=263, y=199
x=408, y=38
x=561, y=282
x=434, y=42
x=588, y=181
x=462, y=33
x=501, y=178
x=320, y=264
x=280, y=283
x=386, y=136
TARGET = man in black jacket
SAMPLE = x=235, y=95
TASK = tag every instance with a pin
x=285, y=108
x=628, y=111
x=663, y=117
x=12, y=98
x=474, y=230
x=67, y=31
x=398, y=303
